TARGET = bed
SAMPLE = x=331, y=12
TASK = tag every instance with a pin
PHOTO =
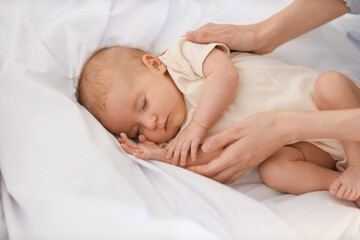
x=65, y=177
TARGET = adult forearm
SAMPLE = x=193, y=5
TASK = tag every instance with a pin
x=339, y=124
x=298, y=18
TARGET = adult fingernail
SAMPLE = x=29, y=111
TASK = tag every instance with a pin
x=206, y=147
x=191, y=34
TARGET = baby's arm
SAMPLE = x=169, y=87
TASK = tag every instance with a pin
x=146, y=149
x=222, y=80
x=220, y=88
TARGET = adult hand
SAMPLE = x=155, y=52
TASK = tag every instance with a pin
x=247, y=144
x=245, y=38
x=265, y=36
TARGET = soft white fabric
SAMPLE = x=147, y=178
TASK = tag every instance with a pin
x=354, y=5
x=65, y=177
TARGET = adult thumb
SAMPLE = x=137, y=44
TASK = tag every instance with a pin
x=199, y=36
x=216, y=142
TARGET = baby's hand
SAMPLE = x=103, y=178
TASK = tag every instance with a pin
x=144, y=150
x=189, y=139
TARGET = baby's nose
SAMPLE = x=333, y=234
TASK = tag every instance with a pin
x=150, y=122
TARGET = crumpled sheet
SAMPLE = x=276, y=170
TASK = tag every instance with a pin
x=65, y=177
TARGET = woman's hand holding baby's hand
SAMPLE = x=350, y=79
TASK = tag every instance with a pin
x=145, y=149
x=247, y=144
x=189, y=139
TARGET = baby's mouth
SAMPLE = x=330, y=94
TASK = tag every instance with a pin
x=166, y=122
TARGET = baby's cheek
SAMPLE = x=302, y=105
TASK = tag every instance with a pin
x=157, y=137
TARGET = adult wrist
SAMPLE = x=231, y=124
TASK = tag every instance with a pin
x=266, y=37
x=287, y=126
x=302, y=125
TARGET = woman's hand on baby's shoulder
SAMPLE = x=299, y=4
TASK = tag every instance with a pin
x=145, y=149
x=189, y=139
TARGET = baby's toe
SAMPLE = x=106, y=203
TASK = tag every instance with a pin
x=347, y=193
x=341, y=191
x=334, y=187
x=352, y=196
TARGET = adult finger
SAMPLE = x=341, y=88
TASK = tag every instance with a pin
x=236, y=176
x=224, y=175
x=201, y=36
x=220, y=140
x=213, y=167
x=194, y=147
x=229, y=175
x=205, y=34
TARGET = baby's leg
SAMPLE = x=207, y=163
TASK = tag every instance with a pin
x=299, y=168
x=335, y=91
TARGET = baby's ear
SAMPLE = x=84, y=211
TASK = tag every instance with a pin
x=153, y=63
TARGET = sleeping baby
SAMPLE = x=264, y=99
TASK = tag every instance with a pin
x=171, y=103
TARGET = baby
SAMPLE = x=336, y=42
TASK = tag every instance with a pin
x=194, y=91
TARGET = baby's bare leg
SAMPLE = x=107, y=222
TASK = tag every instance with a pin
x=298, y=169
x=335, y=91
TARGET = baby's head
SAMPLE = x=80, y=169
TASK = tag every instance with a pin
x=130, y=91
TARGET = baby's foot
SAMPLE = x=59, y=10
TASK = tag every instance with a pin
x=347, y=185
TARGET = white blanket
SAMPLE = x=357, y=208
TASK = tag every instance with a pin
x=65, y=177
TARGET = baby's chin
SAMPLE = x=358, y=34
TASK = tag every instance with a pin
x=164, y=137
x=160, y=140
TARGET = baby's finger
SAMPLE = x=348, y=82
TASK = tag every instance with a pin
x=194, y=148
x=142, y=138
x=170, y=151
x=127, y=149
x=121, y=140
x=184, y=152
x=127, y=140
x=177, y=150
x=141, y=155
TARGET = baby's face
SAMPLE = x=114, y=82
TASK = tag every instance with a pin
x=152, y=106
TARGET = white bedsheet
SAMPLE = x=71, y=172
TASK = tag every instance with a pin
x=65, y=177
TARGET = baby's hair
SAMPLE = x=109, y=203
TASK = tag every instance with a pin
x=98, y=75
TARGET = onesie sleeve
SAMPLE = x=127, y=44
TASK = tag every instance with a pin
x=188, y=57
